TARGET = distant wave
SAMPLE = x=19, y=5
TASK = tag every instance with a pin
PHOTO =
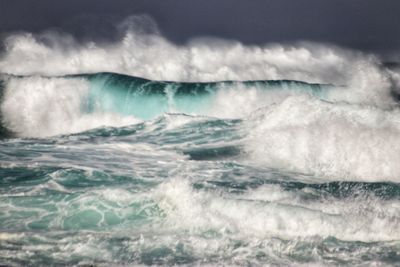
x=151, y=56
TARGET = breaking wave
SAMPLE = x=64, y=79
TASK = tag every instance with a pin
x=213, y=152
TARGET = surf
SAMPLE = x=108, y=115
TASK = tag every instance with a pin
x=211, y=152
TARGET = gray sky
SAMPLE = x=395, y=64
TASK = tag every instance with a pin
x=369, y=25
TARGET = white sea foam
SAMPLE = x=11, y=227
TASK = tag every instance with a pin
x=39, y=107
x=144, y=52
x=249, y=218
x=153, y=57
x=338, y=141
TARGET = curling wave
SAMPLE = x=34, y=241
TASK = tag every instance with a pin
x=38, y=106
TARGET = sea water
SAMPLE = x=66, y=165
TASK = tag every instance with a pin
x=225, y=155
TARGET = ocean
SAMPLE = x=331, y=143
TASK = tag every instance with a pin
x=143, y=152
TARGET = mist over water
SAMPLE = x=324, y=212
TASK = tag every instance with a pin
x=209, y=153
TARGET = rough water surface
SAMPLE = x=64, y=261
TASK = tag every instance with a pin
x=236, y=155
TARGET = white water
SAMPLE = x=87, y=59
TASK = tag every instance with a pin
x=153, y=57
x=40, y=107
x=333, y=140
x=145, y=53
x=284, y=215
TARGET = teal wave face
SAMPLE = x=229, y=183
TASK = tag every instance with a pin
x=146, y=99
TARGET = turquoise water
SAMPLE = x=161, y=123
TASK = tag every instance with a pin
x=185, y=186
x=146, y=99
